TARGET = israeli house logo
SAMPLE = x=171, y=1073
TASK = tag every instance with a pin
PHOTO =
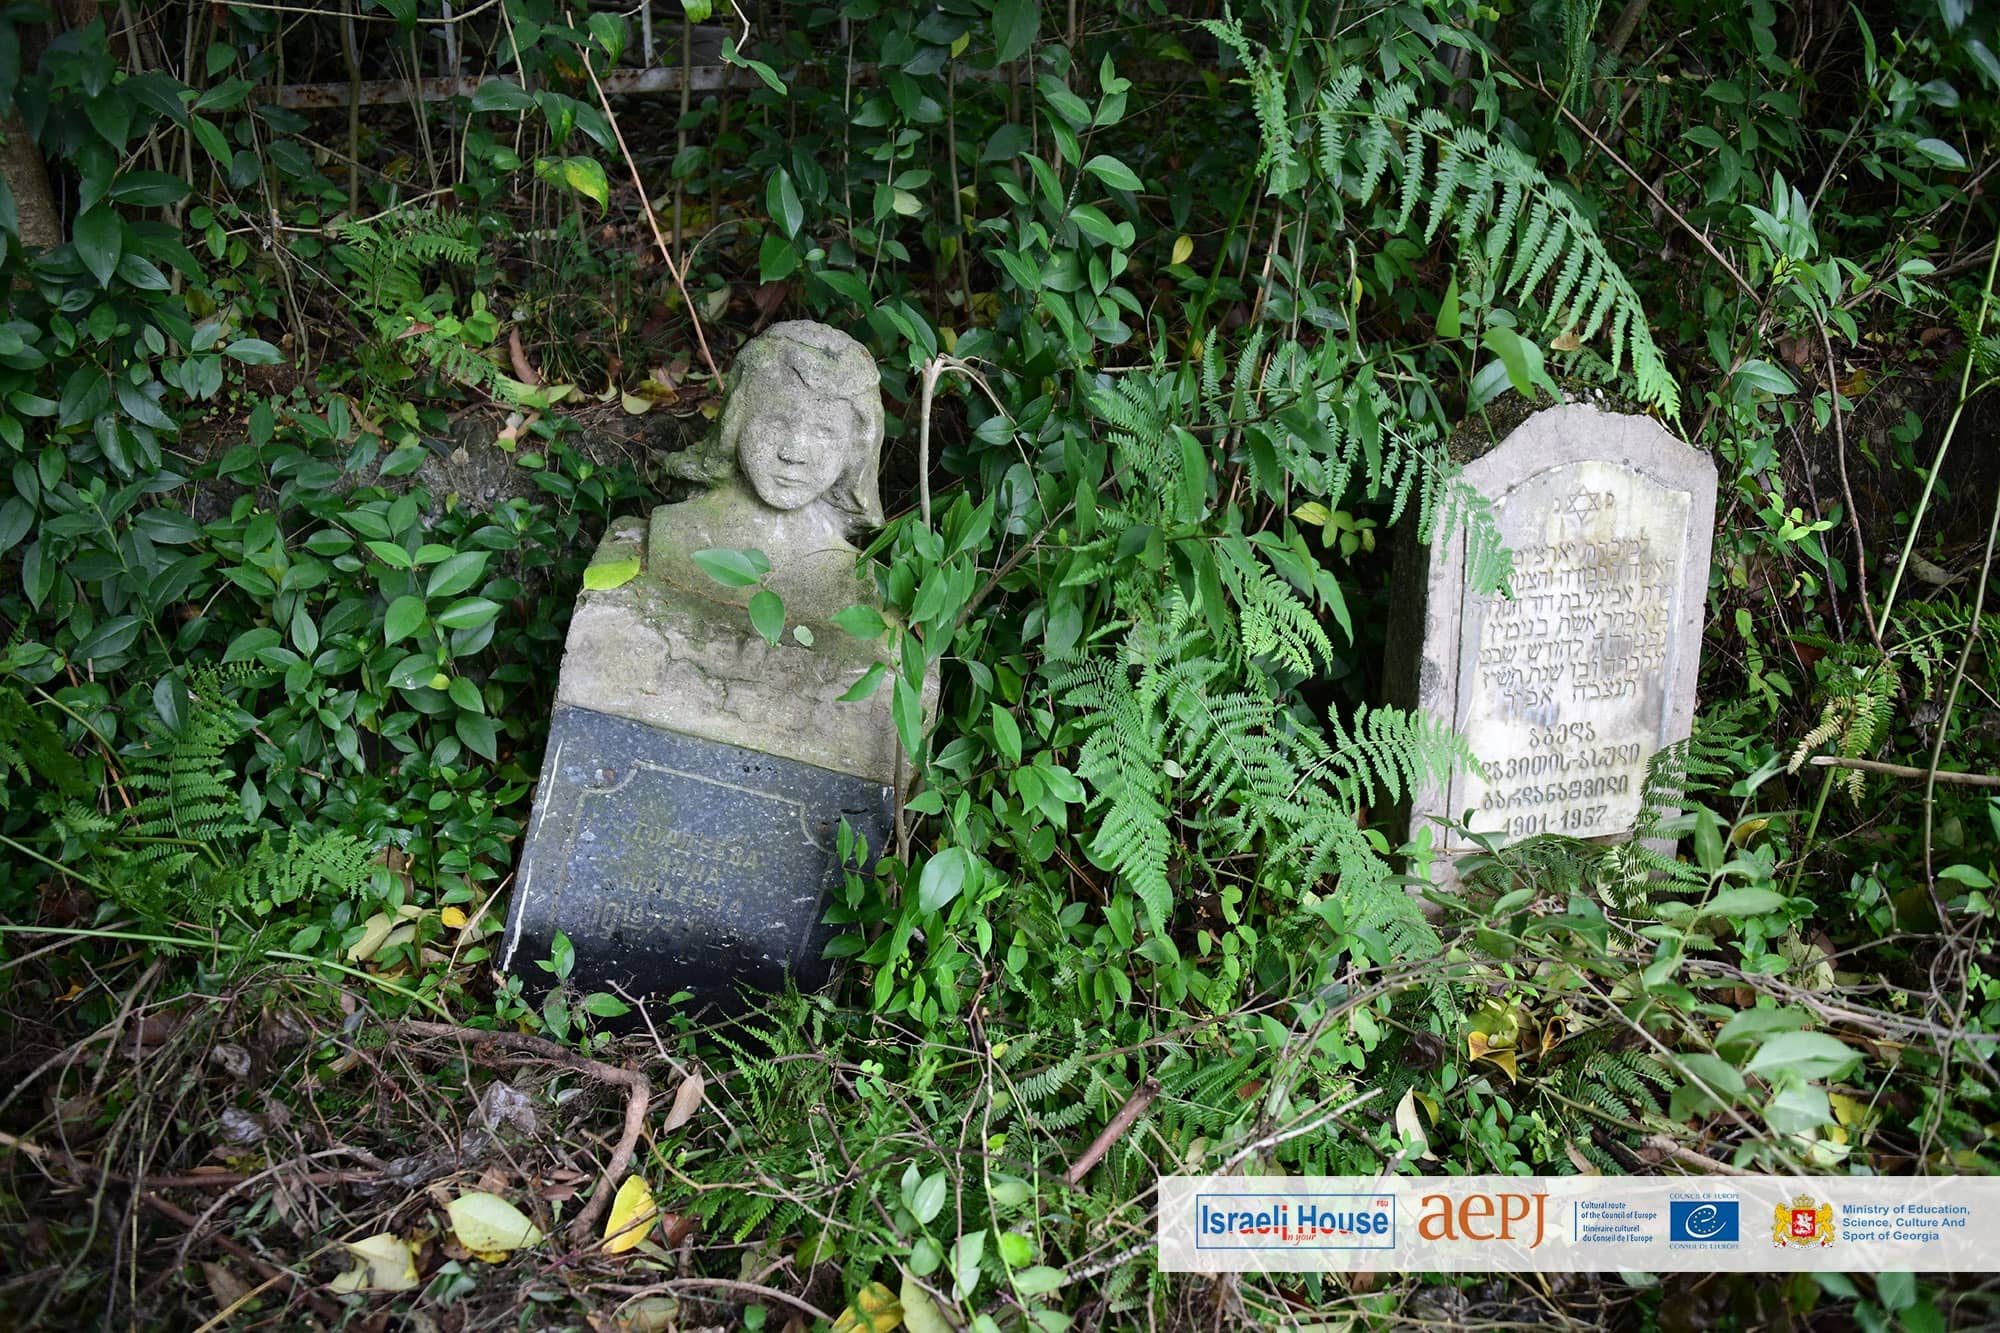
x=1296, y=1221
x=1704, y=1221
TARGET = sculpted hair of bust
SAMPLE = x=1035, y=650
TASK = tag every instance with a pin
x=801, y=423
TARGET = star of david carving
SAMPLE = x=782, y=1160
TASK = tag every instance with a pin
x=1583, y=503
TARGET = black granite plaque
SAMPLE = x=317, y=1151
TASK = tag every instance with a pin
x=674, y=863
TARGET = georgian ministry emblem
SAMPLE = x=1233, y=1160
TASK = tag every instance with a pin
x=1803, y=1222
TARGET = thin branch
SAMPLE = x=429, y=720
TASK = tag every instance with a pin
x=756, y=1289
x=653, y=221
x=638, y=1093
x=1904, y=770
x=1128, y=1115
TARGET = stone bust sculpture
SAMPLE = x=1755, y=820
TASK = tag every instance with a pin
x=791, y=471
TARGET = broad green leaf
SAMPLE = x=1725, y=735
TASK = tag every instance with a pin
x=943, y=878
x=767, y=615
x=862, y=621
x=1015, y=23
x=149, y=189
x=501, y=95
x=782, y=199
x=586, y=176
x=734, y=569
x=1448, y=315
x=100, y=238
x=1940, y=152
x=253, y=352
x=609, y=30
x=1006, y=734
x=459, y=572
x=1065, y=103
x=1763, y=376
x=607, y=574
x=928, y=1199
x=1522, y=358
x=468, y=613
x=697, y=11
x=1113, y=172
x=405, y=617
x=1744, y=902
x=965, y=1256
x=870, y=681
x=1805, y=1056
x=920, y=1311
x=1754, y=1025
x=908, y=713
x=479, y=735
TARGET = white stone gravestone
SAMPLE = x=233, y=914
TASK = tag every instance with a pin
x=1566, y=688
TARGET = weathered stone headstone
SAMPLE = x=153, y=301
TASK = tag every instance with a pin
x=686, y=830
x=1567, y=688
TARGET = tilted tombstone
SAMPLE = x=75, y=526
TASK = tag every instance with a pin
x=1566, y=689
x=686, y=830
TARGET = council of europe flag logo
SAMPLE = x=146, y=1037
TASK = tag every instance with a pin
x=1715, y=1221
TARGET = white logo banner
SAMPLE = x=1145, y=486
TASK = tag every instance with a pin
x=1568, y=1224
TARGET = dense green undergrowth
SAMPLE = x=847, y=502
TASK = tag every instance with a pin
x=1185, y=314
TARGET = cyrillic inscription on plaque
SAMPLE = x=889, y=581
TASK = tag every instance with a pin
x=1562, y=687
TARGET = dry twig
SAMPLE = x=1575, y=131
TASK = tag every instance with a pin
x=638, y=1094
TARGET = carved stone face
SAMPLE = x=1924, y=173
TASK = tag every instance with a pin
x=793, y=449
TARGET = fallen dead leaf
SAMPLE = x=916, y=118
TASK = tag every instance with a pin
x=224, y=1286
x=488, y=1224
x=686, y=1102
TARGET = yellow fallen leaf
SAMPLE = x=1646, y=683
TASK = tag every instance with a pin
x=1412, y=1128
x=649, y=1314
x=633, y=1216
x=1479, y=1047
x=373, y=931
x=453, y=918
x=1183, y=247
x=1748, y=829
x=488, y=1222
x=387, y=1263
x=920, y=1312
x=874, y=1309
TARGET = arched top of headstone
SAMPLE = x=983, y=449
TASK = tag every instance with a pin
x=1574, y=432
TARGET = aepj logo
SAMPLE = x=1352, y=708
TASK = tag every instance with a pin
x=1715, y=1221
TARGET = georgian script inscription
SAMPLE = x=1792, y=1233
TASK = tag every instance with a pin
x=1562, y=687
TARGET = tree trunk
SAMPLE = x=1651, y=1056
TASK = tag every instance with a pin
x=21, y=167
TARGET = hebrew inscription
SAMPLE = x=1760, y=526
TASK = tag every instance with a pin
x=1562, y=686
